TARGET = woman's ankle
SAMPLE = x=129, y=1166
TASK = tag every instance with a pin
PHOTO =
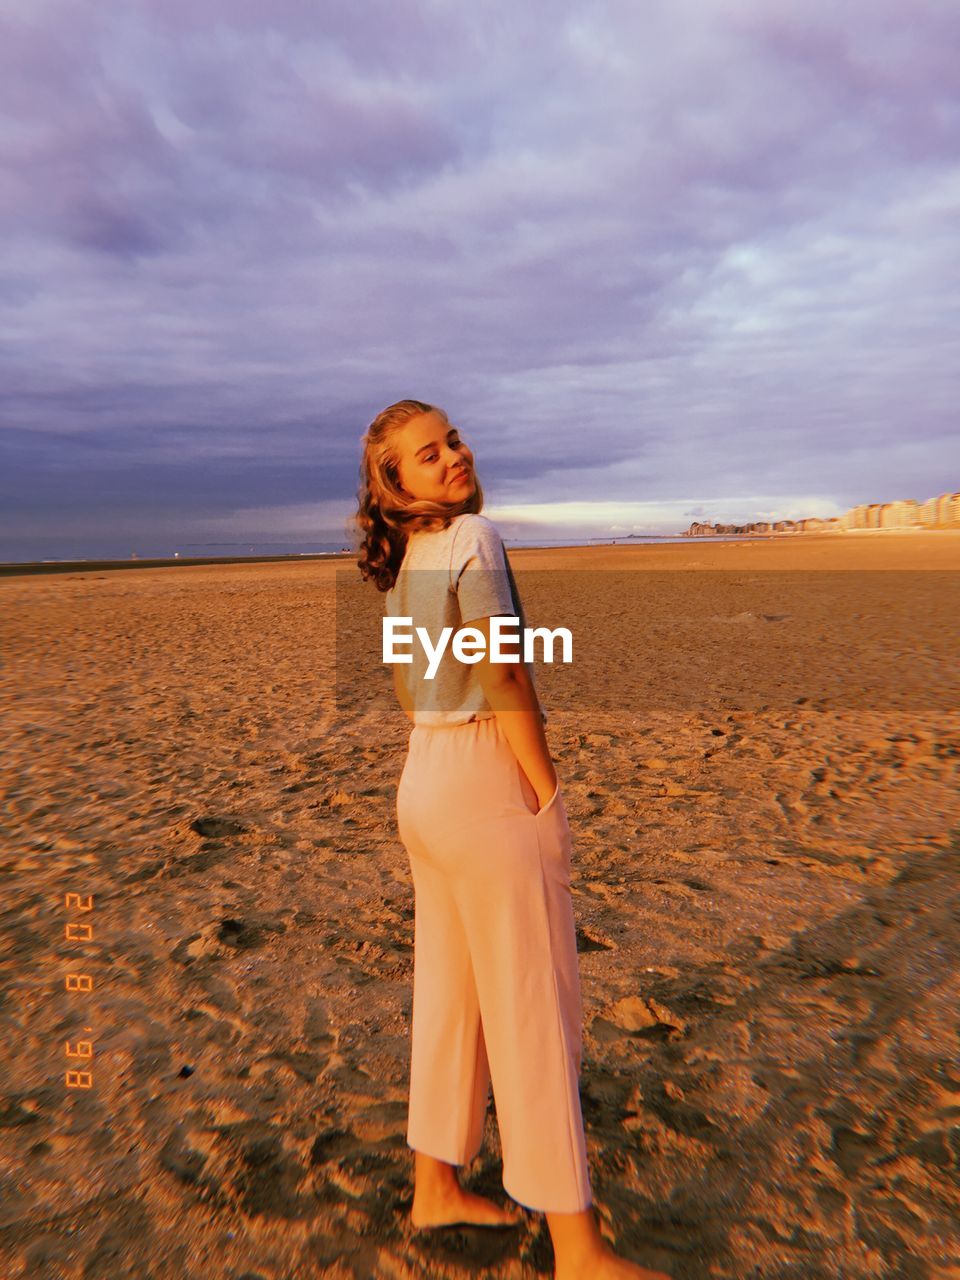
x=576, y=1237
x=434, y=1177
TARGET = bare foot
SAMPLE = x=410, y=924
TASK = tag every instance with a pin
x=460, y=1206
x=607, y=1265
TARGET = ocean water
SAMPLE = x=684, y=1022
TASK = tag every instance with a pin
x=110, y=551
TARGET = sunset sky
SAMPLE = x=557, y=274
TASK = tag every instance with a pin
x=660, y=261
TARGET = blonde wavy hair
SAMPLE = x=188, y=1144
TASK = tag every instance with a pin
x=386, y=516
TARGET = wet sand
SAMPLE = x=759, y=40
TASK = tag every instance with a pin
x=766, y=900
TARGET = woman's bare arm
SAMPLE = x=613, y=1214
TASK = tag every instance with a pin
x=510, y=692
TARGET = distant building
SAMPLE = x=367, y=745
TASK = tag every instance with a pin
x=902, y=514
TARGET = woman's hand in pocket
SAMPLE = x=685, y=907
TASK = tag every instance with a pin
x=544, y=800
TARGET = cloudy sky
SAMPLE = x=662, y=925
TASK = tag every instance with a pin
x=659, y=261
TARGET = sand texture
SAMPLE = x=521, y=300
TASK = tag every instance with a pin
x=765, y=878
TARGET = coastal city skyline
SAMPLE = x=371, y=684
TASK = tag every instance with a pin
x=939, y=512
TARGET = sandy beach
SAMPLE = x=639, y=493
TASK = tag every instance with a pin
x=765, y=878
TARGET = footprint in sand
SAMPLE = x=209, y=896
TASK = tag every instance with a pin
x=214, y=828
x=641, y=1017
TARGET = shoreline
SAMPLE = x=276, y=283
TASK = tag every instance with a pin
x=10, y=569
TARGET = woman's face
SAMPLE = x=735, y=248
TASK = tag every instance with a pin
x=434, y=462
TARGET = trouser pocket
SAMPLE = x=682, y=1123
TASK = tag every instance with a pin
x=529, y=795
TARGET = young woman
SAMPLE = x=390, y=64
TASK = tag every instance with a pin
x=496, y=995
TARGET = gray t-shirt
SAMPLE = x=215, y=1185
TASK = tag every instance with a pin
x=448, y=578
